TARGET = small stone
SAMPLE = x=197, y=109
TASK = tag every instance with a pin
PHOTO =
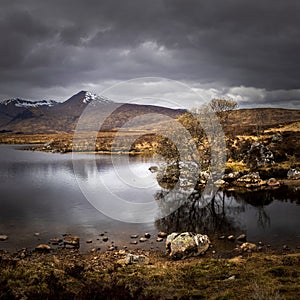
x=89, y=241
x=159, y=239
x=147, y=235
x=162, y=234
x=242, y=237
x=273, y=182
x=136, y=259
x=70, y=247
x=105, y=239
x=230, y=238
x=143, y=239
x=101, y=234
x=122, y=251
x=133, y=242
x=55, y=241
x=153, y=169
x=260, y=243
x=230, y=278
x=3, y=237
x=43, y=248
x=71, y=240
x=259, y=248
x=248, y=247
x=285, y=247
x=111, y=248
x=36, y=233
x=222, y=237
x=213, y=252
x=134, y=236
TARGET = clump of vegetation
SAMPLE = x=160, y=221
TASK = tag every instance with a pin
x=100, y=276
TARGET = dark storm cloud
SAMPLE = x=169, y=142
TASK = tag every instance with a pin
x=219, y=44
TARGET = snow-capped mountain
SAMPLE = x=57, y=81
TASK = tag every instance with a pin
x=45, y=116
x=89, y=97
x=27, y=103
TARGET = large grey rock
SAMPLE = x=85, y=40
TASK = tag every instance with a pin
x=186, y=244
x=259, y=155
x=131, y=259
x=250, y=180
x=293, y=174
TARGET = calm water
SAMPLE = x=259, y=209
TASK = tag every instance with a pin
x=39, y=193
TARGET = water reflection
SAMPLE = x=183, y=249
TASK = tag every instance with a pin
x=271, y=215
x=39, y=193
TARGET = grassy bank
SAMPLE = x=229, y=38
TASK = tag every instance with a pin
x=69, y=275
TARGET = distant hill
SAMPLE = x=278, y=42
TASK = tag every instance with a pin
x=25, y=116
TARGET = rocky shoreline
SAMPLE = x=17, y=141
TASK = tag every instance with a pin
x=250, y=272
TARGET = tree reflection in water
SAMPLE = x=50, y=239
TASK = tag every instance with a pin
x=194, y=217
x=223, y=213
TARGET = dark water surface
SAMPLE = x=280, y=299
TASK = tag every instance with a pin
x=39, y=193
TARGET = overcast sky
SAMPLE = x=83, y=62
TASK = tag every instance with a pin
x=245, y=50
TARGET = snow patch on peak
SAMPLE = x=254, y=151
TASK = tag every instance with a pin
x=27, y=103
x=90, y=97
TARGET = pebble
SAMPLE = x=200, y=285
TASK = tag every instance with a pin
x=143, y=239
x=89, y=241
x=133, y=242
x=162, y=234
x=159, y=239
x=105, y=239
x=36, y=233
x=55, y=241
x=230, y=238
x=43, y=248
x=72, y=241
x=242, y=237
x=222, y=237
x=134, y=236
x=147, y=235
x=230, y=278
x=3, y=237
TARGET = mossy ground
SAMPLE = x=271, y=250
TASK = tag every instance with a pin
x=68, y=275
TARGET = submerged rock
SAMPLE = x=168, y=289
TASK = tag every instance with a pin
x=186, y=244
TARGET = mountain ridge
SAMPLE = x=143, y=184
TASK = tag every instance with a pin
x=49, y=116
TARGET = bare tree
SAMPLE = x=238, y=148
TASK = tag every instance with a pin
x=221, y=105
